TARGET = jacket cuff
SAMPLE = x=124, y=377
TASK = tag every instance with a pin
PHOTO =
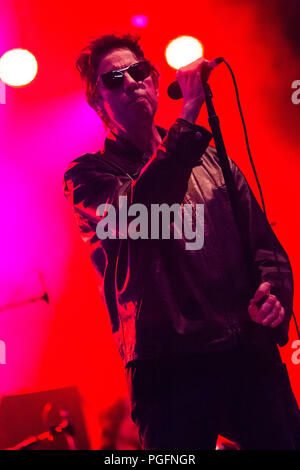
x=187, y=141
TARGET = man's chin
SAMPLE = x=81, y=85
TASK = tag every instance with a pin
x=139, y=114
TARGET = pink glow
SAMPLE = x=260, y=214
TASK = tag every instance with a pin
x=48, y=123
x=139, y=21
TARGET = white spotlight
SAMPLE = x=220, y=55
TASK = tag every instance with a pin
x=182, y=51
x=18, y=67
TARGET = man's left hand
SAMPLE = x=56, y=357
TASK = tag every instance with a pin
x=270, y=312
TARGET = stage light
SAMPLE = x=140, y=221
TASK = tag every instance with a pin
x=18, y=67
x=182, y=51
x=140, y=21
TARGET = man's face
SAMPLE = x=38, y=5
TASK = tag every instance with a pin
x=133, y=102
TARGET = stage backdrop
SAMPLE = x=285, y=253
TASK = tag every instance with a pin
x=54, y=330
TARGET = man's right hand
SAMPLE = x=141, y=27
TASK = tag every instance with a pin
x=271, y=312
x=189, y=79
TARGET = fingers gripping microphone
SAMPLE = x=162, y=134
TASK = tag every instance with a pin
x=174, y=90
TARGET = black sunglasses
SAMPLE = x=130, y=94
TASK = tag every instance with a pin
x=115, y=78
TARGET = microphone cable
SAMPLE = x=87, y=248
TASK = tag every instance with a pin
x=256, y=177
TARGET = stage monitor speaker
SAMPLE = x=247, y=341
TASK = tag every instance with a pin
x=48, y=420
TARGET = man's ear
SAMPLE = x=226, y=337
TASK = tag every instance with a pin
x=99, y=101
x=100, y=108
x=102, y=113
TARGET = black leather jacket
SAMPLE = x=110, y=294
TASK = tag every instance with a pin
x=164, y=300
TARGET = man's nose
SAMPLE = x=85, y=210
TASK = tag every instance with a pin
x=129, y=82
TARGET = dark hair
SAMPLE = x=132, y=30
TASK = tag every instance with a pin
x=88, y=62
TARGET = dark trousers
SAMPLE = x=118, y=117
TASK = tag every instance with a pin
x=242, y=394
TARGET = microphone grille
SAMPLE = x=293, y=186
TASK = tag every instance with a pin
x=174, y=91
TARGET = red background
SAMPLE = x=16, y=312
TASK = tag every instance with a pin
x=48, y=123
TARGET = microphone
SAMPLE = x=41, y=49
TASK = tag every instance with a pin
x=174, y=90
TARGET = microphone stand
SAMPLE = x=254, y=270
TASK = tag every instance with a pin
x=65, y=427
x=214, y=123
x=12, y=305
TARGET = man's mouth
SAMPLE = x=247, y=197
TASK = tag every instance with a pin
x=137, y=98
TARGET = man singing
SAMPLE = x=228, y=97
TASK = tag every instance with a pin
x=197, y=329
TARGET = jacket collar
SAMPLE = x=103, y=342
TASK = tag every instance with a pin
x=120, y=146
x=122, y=155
